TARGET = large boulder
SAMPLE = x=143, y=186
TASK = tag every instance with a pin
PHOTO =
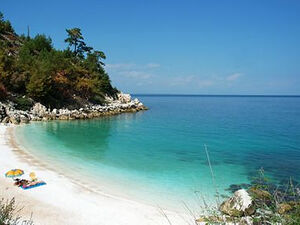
x=240, y=204
x=124, y=98
x=54, y=111
x=63, y=117
x=5, y=120
x=14, y=119
x=38, y=110
x=24, y=119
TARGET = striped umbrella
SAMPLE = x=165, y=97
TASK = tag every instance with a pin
x=14, y=173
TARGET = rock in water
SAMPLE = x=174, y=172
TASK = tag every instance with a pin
x=14, y=119
x=24, y=119
x=124, y=103
x=240, y=204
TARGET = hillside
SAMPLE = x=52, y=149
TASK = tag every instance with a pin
x=33, y=70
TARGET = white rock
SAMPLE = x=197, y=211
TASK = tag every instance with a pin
x=38, y=109
x=108, y=99
x=136, y=101
x=124, y=98
x=239, y=204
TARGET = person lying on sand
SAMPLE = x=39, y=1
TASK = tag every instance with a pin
x=21, y=182
x=33, y=184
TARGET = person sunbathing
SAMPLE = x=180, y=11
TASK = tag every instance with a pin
x=21, y=182
x=33, y=184
x=16, y=180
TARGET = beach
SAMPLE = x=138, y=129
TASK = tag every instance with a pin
x=149, y=113
x=123, y=169
x=63, y=201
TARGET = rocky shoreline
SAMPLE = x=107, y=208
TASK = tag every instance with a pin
x=124, y=103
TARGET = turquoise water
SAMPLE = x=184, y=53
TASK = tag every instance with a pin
x=158, y=156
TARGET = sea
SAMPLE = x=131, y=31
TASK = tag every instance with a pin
x=185, y=151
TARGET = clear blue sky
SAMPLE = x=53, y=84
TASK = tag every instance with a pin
x=191, y=47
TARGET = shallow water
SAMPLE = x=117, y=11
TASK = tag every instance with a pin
x=158, y=156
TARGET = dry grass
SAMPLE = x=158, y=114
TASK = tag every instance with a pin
x=9, y=213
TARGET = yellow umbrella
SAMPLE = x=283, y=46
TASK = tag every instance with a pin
x=14, y=173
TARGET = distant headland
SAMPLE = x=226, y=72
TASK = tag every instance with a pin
x=40, y=82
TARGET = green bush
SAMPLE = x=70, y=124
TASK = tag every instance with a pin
x=3, y=92
x=23, y=103
x=33, y=67
x=9, y=214
x=293, y=217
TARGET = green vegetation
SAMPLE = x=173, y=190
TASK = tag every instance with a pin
x=275, y=203
x=9, y=214
x=33, y=68
x=23, y=103
x=272, y=203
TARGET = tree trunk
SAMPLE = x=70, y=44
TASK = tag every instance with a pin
x=75, y=49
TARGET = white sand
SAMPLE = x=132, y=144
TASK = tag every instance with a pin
x=62, y=201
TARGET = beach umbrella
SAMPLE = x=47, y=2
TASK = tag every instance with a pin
x=14, y=173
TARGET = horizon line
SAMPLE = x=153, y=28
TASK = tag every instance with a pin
x=219, y=95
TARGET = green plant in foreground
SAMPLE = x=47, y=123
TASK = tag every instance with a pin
x=9, y=214
x=294, y=217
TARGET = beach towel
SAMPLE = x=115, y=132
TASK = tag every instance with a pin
x=33, y=185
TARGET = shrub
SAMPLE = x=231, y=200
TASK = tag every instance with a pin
x=33, y=67
x=23, y=103
x=9, y=214
x=3, y=92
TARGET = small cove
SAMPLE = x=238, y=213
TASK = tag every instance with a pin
x=158, y=156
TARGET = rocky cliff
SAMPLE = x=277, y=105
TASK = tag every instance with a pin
x=39, y=112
